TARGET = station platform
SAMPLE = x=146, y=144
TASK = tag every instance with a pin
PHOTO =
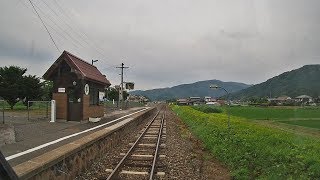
x=34, y=139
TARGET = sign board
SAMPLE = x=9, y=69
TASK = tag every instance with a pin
x=129, y=85
x=86, y=89
x=61, y=90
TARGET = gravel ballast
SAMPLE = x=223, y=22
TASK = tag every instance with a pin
x=185, y=156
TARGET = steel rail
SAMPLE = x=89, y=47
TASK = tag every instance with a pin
x=115, y=171
x=157, y=148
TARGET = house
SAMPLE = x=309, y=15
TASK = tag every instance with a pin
x=280, y=100
x=209, y=99
x=182, y=102
x=213, y=103
x=283, y=98
x=137, y=98
x=76, y=88
x=195, y=101
x=303, y=98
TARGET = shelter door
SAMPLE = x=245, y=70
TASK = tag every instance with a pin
x=74, y=106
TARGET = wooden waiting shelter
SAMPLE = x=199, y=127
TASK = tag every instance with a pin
x=76, y=88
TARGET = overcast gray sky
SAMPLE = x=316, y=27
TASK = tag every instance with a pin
x=165, y=42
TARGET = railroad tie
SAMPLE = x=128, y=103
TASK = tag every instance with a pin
x=143, y=173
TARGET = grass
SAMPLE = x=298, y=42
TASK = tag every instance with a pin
x=275, y=113
x=21, y=107
x=254, y=151
x=306, y=123
x=207, y=109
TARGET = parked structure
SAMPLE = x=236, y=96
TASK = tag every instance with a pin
x=76, y=87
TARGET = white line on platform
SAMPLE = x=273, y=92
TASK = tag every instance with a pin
x=69, y=136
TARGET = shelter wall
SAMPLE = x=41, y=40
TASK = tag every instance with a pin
x=91, y=110
x=62, y=104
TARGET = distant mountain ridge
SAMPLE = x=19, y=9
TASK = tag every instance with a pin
x=200, y=88
x=304, y=80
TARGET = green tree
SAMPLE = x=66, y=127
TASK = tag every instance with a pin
x=15, y=86
x=32, y=89
x=11, y=81
x=113, y=93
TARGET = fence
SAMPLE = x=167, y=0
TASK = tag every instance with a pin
x=110, y=106
x=38, y=110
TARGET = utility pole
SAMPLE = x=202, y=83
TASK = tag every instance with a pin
x=121, y=86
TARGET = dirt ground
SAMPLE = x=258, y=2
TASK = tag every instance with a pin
x=185, y=156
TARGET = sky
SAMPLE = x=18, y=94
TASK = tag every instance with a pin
x=165, y=42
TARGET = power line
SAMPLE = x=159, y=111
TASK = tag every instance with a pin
x=64, y=23
x=57, y=32
x=45, y=26
x=74, y=28
x=78, y=33
x=81, y=32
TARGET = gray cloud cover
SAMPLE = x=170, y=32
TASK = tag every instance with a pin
x=166, y=42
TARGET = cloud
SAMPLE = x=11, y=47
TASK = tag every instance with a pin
x=166, y=42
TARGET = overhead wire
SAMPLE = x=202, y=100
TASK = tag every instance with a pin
x=48, y=17
x=45, y=26
x=79, y=29
x=81, y=34
x=58, y=19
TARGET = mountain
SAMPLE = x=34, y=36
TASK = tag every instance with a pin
x=200, y=88
x=305, y=80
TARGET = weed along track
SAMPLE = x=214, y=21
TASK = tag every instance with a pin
x=143, y=158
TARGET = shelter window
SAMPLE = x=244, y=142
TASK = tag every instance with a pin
x=94, y=96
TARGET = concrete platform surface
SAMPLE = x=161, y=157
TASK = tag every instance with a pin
x=53, y=135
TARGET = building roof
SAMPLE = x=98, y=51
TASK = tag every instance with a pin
x=303, y=97
x=283, y=98
x=182, y=100
x=81, y=67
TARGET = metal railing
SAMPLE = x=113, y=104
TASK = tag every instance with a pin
x=38, y=109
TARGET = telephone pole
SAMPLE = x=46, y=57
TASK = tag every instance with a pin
x=121, y=86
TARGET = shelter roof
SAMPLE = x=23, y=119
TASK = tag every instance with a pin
x=81, y=67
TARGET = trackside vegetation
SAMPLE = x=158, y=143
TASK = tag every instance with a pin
x=207, y=109
x=275, y=113
x=253, y=151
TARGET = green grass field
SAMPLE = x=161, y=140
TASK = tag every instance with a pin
x=305, y=123
x=275, y=113
x=252, y=150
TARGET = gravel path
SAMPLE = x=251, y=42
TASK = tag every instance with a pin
x=185, y=156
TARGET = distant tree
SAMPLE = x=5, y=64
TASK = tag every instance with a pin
x=11, y=84
x=113, y=93
x=32, y=89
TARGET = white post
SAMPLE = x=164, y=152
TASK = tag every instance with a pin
x=53, y=111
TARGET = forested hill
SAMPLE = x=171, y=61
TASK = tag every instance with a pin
x=305, y=80
x=200, y=88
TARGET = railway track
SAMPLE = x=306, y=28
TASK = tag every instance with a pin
x=144, y=158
